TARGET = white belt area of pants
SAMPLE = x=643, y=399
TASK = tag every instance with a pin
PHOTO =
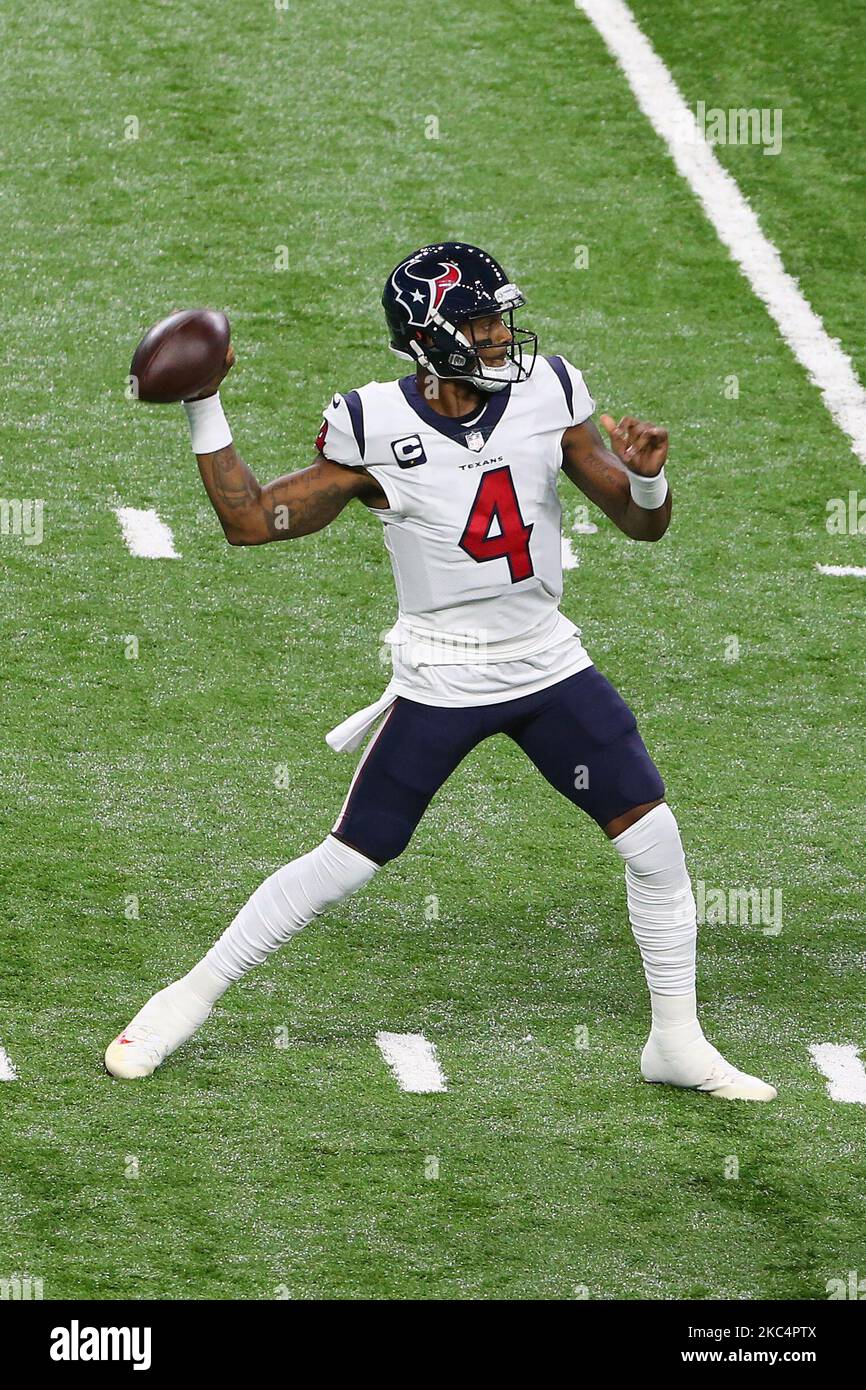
x=426, y=648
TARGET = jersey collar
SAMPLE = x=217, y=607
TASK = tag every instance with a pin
x=456, y=427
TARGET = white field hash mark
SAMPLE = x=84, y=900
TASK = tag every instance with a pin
x=843, y=571
x=737, y=226
x=570, y=558
x=840, y=1063
x=7, y=1071
x=413, y=1061
x=145, y=534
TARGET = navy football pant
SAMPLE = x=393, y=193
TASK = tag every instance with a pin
x=580, y=734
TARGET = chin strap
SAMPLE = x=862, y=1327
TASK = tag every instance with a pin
x=511, y=372
x=421, y=356
x=491, y=384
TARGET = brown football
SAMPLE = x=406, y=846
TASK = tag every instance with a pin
x=178, y=356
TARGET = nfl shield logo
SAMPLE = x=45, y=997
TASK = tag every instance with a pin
x=475, y=440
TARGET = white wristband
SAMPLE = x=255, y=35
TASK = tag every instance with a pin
x=648, y=493
x=208, y=426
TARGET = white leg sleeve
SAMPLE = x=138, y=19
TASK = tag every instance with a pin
x=661, y=906
x=662, y=913
x=285, y=903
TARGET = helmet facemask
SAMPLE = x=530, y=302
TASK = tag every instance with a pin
x=452, y=356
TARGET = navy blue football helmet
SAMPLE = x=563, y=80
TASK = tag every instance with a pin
x=440, y=287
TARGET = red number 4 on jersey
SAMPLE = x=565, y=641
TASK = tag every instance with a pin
x=497, y=499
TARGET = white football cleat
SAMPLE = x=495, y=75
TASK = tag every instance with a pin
x=166, y=1021
x=681, y=1056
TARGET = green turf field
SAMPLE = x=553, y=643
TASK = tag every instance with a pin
x=250, y=1169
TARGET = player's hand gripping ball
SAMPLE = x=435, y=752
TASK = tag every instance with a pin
x=183, y=357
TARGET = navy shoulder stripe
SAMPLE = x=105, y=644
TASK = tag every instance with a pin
x=356, y=415
x=565, y=382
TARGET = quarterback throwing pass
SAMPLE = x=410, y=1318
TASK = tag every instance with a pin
x=459, y=460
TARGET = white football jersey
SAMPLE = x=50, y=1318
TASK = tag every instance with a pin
x=472, y=528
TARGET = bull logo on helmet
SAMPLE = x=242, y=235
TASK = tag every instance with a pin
x=421, y=295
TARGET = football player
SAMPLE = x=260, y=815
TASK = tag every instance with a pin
x=459, y=461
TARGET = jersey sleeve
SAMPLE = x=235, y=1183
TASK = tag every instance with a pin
x=579, y=404
x=341, y=438
x=344, y=438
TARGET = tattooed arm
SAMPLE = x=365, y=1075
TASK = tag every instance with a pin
x=295, y=505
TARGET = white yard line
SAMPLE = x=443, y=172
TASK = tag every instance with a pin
x=413, y=1061
x=843, y=571
x=7, y=1071
x=661, y=101
x=846, y=1077
x=145, y=534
